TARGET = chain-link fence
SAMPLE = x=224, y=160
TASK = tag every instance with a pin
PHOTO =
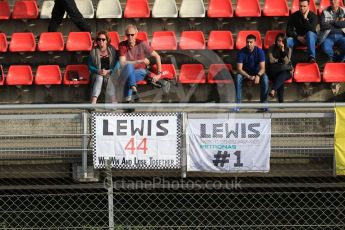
x=41, y=155
x=176, y=210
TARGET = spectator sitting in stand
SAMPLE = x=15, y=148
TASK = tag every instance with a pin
x=332, y=31
x=280, y=68
x=103, y=64
x=251, y=66
x=301, y=29
x=134, y=62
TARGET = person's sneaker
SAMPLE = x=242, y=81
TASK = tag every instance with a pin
x=263, y=110
x=236, y=110
x=135, y=96
x=311, y=60
x=128, y=99
x=335, y=88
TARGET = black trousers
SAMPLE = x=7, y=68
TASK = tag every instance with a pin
x=69, y=6
x=278, y=83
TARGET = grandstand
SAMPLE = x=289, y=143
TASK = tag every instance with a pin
x=47, y=174
x=191, y=36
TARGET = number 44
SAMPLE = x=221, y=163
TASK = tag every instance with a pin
x=130, y=146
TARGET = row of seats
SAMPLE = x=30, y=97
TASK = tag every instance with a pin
x=304, y=72
x=48, y=41
x=161, y=40
x=45, y=75
x=189, y=74
x=28, y=9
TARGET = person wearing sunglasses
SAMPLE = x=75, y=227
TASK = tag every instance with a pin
x=59, y=10
x=134, y=54
x=103, y=64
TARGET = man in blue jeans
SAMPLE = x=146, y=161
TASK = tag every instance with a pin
x=251, y=66
x=332, y=31
x=301, y=29
x=133, y=61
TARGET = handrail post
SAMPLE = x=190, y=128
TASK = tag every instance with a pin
x=84, y=145
x=184, y=148
x=110, y=188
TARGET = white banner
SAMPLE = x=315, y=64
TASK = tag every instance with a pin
x=137, y=141
x=229, y=145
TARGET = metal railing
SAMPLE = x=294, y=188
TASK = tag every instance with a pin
x=43, y=147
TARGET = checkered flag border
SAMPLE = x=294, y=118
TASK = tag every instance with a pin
x=126, y=167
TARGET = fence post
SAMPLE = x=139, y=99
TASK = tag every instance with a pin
x=184, y=150
x=84, y=145
x=334, y=160
x=109, y=184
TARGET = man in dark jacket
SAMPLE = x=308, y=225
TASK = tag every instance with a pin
x=69, y=6
x=332, y=31
x=301, y=29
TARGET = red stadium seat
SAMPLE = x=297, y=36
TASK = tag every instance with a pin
x=220, y=40
x=326, y=3
x=165, y=67
x=2, y=79
x=48, y=75
x=3, y=42
x=242, y=35
x=79, y=41
x=295, y=6
x=248, y=8
x=25, y=10
x=220, y=9
x=83, y=75
x=275, y=8
x=137, y=9
x=168, y=71
x=51, y=41
x=192, y=40
x=270, y=37
x=164, y=40
x=22, y=42
x=4, y=10
x=214, y=69
x=19, y=75
x=115, y=39
x=307, y=72
x=142, y=35
x=334, y=72
x=192, y=73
